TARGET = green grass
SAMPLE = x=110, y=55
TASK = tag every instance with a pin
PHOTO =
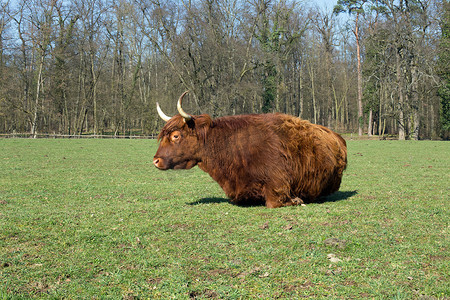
x=95, y=219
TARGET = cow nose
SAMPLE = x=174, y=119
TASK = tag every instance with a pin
x=156, y=161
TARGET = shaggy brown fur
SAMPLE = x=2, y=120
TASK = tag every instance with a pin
x=272, y=159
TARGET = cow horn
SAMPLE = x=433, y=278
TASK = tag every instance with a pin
x=161, y=114
x=186, y=116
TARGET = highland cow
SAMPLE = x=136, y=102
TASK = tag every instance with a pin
x=272, y=159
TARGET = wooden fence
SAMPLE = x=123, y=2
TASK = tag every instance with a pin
x=73, y=136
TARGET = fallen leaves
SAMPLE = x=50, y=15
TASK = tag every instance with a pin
x=335, y=242
x=332, y=257
x=256, y=271
x=288, y=227
x=285, y=227
x=265, y=226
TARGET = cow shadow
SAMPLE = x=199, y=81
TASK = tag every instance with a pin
x=217, y=200
x=213, y=200
x=338, y=196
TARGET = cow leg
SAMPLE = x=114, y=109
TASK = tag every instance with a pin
x=273, y=200
x=247, y=195
x=297, y=201
x=273, y=204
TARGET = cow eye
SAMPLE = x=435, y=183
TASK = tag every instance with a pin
x=175, y=136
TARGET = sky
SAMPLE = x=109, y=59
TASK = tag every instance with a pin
x=326, y=4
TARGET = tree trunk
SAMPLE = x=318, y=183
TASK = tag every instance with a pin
x=311, y=73
x=383, y=97
x=415, y=101
x=401, y=116
x=300, y=92
x=36, y=104
x=359, y=83
x=94, y=93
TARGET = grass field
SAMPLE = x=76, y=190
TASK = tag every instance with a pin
x=94, y=219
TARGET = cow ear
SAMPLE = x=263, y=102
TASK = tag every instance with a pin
x=191, y=123
x=202, y=125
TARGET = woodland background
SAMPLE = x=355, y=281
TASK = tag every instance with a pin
x=376, y=67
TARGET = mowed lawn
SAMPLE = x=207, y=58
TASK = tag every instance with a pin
x=93, y=218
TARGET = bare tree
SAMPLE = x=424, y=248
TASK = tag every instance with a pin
x=92, y=51
x=355, y=6
x=41, y=14
x=324, y=24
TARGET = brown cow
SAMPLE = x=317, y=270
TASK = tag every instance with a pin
x=272, y=159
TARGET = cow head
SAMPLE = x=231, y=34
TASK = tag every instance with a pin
x=180, y=140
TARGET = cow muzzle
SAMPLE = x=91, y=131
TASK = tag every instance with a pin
x=166, y=164
x=159, y=163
